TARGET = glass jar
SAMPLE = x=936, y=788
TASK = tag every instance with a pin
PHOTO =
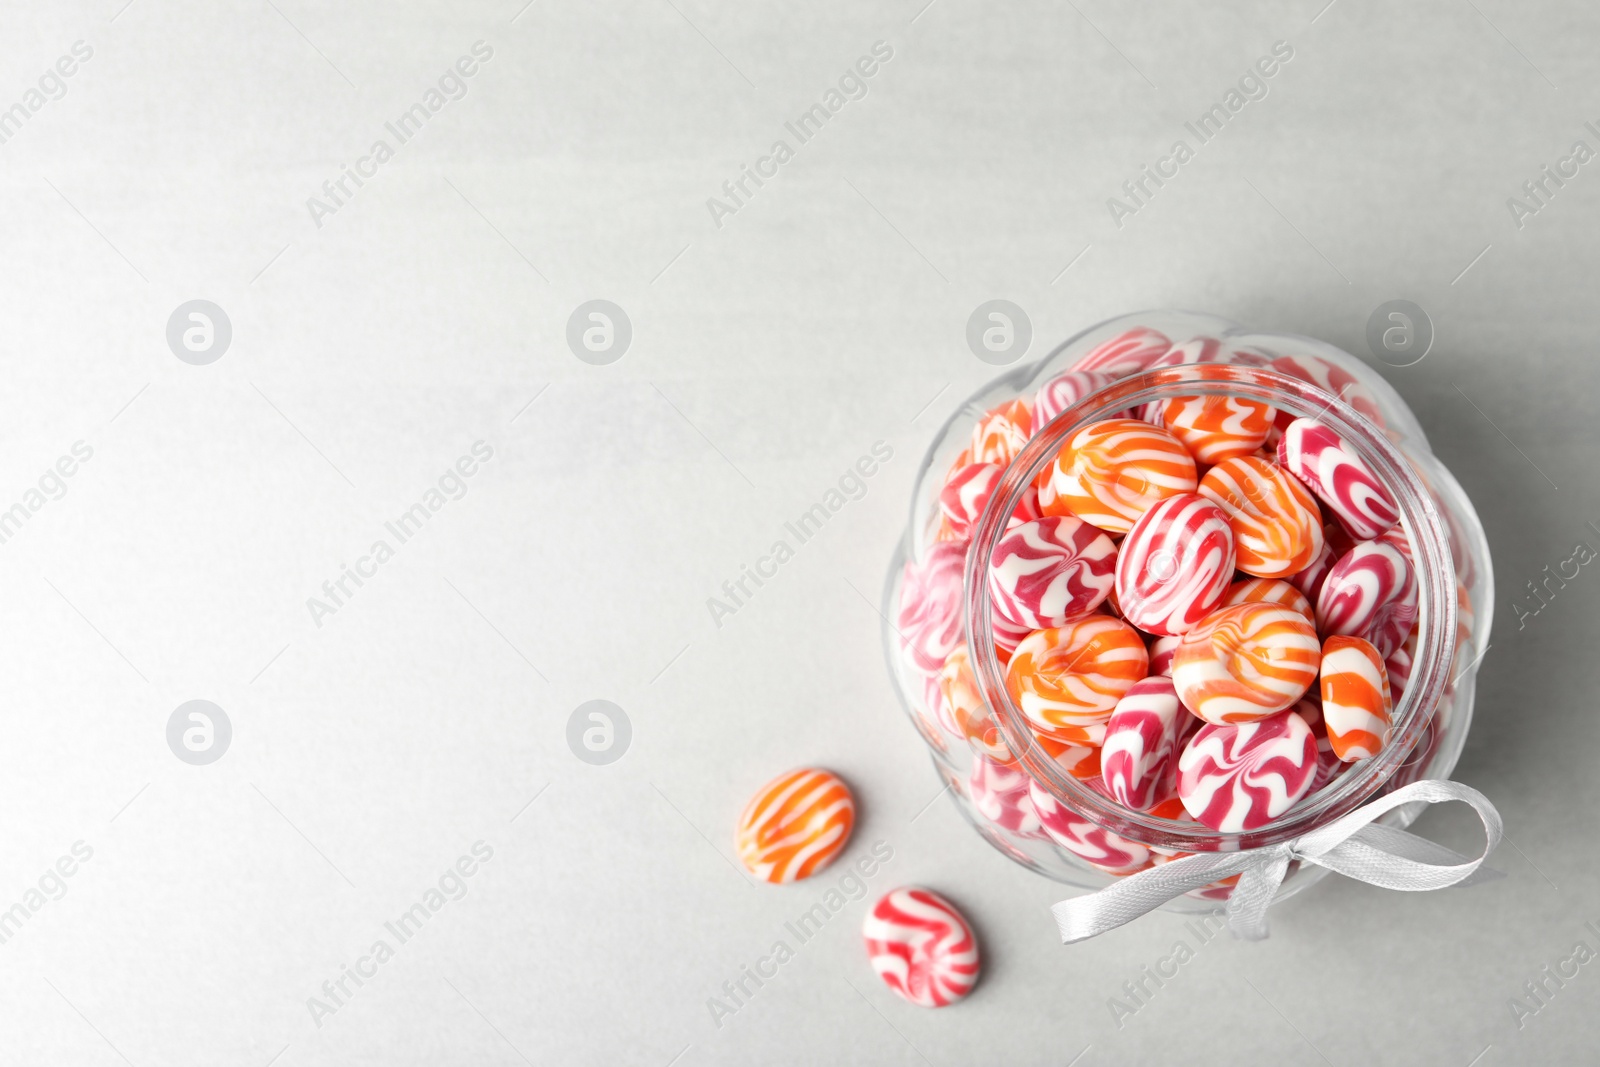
x=937, y=599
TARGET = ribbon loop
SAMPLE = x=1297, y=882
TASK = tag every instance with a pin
x=1352, y=845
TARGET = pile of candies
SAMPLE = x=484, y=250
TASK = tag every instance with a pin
x=916, y=940
x=1205, y=607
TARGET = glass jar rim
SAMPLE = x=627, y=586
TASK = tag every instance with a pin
x=1419, y=519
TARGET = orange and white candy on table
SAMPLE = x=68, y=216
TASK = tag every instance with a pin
x=1277, y=526
x=921, y=947
x=795, y=825
x=1111, y=472
x=1066, y=680
x=1246, y=662
x=1355, y=697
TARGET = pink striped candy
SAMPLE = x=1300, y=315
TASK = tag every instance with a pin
x=1000, y=793
x=967, y=493
x=1242, y=776
x=1398, y=664
x=929, y=620
x=1065, y=390
x=1127, y=353
x=921, y=947
x=1322, y=459
x=1332, y=379
x=1139, y=761
x=1051, y=570
x=1175, y=565
x=1329, y=765
x=1197, y=350
x=1162, y=650
x=1093, y=844
x=1372, y=593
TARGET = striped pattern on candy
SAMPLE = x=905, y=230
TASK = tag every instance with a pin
x=1175, y=565
x=1197, y=350
x=1340, y=478
x=1111, y=472
x=1215, y=428
x=1000, y=793
x=1330, y=378
x=1277, y=526
x=967, y=493
x=795, y=825
x=1329, y=765
x=965, y=707
x=1397, y=666
x=1007, y=635
x=1355, y=698
x=1242, y=776
x=1001, y=433
x=1267, y=591
x=1080, y=761
x=1370, y=592
x=1127, y=353
x=929, y=620
x=921, y=947
x=1246, y=663
x=1139, y=761
x=1093, y=844
x=1066, y=680
x=1065, y=390
x=1050, y=570
x=1162, y=649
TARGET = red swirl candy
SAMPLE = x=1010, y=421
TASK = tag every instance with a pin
x=1063, y=391
x=921, y=947
x=1175, y=565
x=1000, y=793
x=929, y=621
x=1372, y=593
x=1329, y=765
x=1139, y=761
x=1242, y=776
x=1127, y=353
x=967, y=493
x=1093, y=844
x=1327, y=463
x=1329, y=378
x=1049, y=571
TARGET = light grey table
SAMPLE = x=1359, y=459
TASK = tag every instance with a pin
x=207, y=542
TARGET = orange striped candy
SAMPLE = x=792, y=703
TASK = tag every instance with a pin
x=1067, y=680
x=1267, y=591
x=1111, y=472
x=1246, y=662
x=795, y=825
x=1080, y=761
x=1001, y=433
x=1277, y=526
x=1215, y=428
x=1355, y=697
x=967, y=707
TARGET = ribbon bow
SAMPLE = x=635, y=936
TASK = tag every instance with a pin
x=1353, y=845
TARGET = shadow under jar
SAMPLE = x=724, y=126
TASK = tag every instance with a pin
x=937, y=597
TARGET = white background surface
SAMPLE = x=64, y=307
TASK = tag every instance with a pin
x=768, y=354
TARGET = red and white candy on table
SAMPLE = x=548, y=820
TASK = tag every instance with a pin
x=921, y=947
x=1203, y=607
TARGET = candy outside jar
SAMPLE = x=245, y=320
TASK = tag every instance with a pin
x=1204, y=385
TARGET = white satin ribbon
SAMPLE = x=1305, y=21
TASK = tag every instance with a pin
x=1351, y=845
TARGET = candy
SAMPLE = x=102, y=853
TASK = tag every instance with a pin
x=1001, y=433
x=1246, y=663
x=1267, y=591
x=1215, y=428
x=1093, y=844
x=1175, y=565
x=1080, y=761
x=967, y=709
x=1000, y=793
x=1277, y=527
x=921, y=947
x=1355, y=698
x=1397, y=665
x=1127, y=353
x=1330, y=378
x=1327, y=463
x=967, y=493
x=1241, y=776
x=1007, y=635
x=1050, y=570
x=1197, y=351
x=929, y=620
x=1066, y=680
x=1329, y=765
x=1162, y=649
x=1065, y=390
x=795, y=825
x=1139, y=760
x=1372, y=593
x=1111, y=472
